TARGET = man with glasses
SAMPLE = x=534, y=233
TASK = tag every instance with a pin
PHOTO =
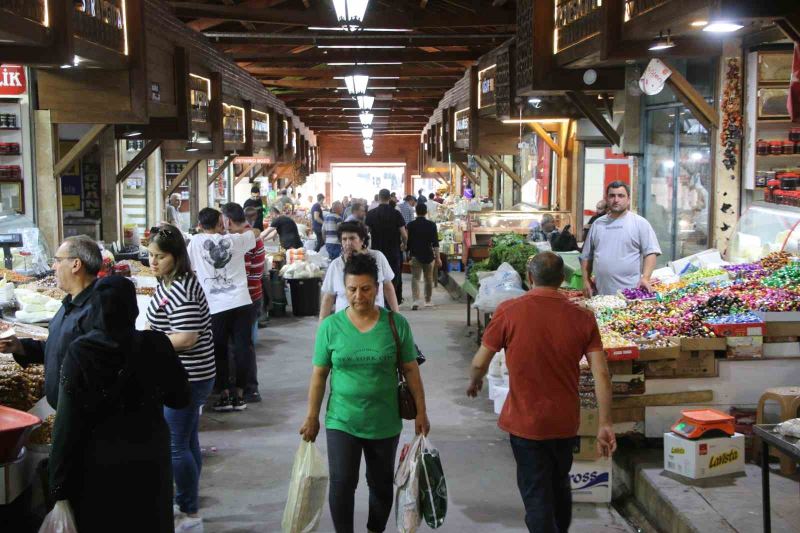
x=76, y=263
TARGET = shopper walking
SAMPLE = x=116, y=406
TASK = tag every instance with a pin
x=421, y=198
x=389, y=236
x=359, y=346
x=255, y=202
x=76, y=263
x=283, y=201
x=218, y=263
x=285, y=228
x=331, y=230
x=358, y=212
x=254, y=261
x=407, y=208
x=621, y=249
x=317, y=221
x=173, y=205
x=541, y=413
x=423, y=246
x=355, y=240
x=110, y=457
x=178, y=308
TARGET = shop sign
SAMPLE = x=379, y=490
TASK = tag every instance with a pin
x=155, y=92
x=245, y=160
x=486, y=87
x=12, y=80
x=71, y=192
x=461, y=133
x=654, y=77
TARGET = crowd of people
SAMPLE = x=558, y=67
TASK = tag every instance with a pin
x=128, y=402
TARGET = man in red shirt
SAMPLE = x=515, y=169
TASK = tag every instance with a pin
x=545, y=336
x=254, y=260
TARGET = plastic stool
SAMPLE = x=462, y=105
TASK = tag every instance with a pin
x=788, y=398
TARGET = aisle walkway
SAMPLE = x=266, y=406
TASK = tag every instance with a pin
x=244, y=486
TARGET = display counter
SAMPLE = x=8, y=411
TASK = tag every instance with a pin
x=762, y=229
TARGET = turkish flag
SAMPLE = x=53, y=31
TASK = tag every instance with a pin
x=794, y=86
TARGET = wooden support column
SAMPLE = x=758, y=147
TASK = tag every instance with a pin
x=692, y=99
x=220, y=169
x=190, y=166
x=587, y=107
x=203, y=199
x=154, y=186
x=79, y=150
x=542, y=133
x=48, y=213
x=505, y=168
x=138, y=159
x=110, y=189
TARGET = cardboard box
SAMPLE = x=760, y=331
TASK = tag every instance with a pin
x=751, y=329
x=696, y=344
x=622, y=354
x=659, y=354
x=585, y=449
x=590, y=423
x=783, y=329
x=779, y=316
x=703, y=458
x=782, y=349
x=627, y=383
x=591, y=481
x=745, y=347
x=620, y=367
x=695, y=364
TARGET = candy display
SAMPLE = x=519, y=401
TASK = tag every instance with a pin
x=638, y=294
x=704, y=274
x=611, y=339
x=599, y=304
x=783, y=277
x=739, y=318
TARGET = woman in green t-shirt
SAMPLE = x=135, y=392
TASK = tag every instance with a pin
x=357, y=348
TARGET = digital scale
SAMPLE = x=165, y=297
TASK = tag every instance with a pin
x=7, y=242
x=697, y=423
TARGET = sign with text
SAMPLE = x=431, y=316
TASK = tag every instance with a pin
x=486, y=87
x=654, y=77
x=244, y=160
x=461, y=134
x=12, y=80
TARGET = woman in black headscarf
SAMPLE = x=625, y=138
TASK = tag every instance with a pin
x=111, y=455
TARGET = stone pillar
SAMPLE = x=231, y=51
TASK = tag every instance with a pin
x=48, y=215
x=728, y=172
x=202, y=185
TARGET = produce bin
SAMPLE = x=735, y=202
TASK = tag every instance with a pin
x=305, y=296
x=15, y=426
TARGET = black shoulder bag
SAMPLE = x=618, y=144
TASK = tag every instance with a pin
x=408, y=409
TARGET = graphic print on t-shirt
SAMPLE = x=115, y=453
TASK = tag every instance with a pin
x=218, y=255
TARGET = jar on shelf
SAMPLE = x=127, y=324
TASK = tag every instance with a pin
x=794, y=134
x=762, y=147
x=775, y=147
x=788, y=147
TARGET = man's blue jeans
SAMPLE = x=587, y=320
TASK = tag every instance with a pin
x=334, y=250
x=187, y=462
x=543, y=478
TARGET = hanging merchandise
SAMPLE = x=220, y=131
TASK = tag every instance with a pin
x=731, y=131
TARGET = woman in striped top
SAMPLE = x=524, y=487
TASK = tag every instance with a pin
x=179, y=309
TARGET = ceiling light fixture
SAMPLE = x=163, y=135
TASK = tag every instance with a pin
x=350, y=13
x=722, y=26
x=535, y=102
x=190, y=147
x=661, y=43
x=365, y=102
x=337, y=28
x=132, y=133
x=366, y=118
x=367, y=133
x=698, y=23
x=356, y=84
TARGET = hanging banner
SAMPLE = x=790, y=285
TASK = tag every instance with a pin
x=12, y=80
x=654, y=77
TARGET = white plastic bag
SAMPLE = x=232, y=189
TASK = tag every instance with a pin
x=503, y=285
x=307, y=491
x=406, y=507
x=59, y=520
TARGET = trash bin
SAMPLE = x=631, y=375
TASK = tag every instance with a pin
x=277, y=287
x=305, y=296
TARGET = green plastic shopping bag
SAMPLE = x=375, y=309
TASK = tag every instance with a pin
x=432, y=485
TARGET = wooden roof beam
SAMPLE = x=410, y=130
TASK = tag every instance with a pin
x=386, y=39
x=406, y=55
x=138, y=159
x=372, y=70
x=79, y=149
x=180, y=178
x=587, y=107
x=376, y=85
x=692, y=99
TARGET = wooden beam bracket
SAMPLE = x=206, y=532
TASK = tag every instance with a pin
x=225, y=164
x=138, y=159
x=468, y=173
x=692, y=99
x=542, y=133
x=243, y=174
x=589, y=110
x=180, y=178
x=485, y=166
x=505, y=168
x=79, y=150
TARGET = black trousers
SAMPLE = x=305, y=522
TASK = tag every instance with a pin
x=320, y=240
x=396, y=262
x=344, y=462
x=234, y=326
x=543, y=478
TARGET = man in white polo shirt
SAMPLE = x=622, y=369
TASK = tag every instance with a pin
x=621, y=248
x=218, y=262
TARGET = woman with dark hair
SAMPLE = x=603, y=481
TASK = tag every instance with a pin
x=361, y=345
x=179, y=309
x=355, y=240
x=110, y=457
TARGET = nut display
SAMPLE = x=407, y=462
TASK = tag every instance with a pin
x=20, y=388
x=43, y=435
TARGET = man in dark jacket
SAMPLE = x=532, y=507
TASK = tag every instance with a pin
x=423, y=246
x=76, y=262
x=255, y=201
x=388, y=235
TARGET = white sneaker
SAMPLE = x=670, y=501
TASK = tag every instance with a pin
x=189, y=524
x=428, y=305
